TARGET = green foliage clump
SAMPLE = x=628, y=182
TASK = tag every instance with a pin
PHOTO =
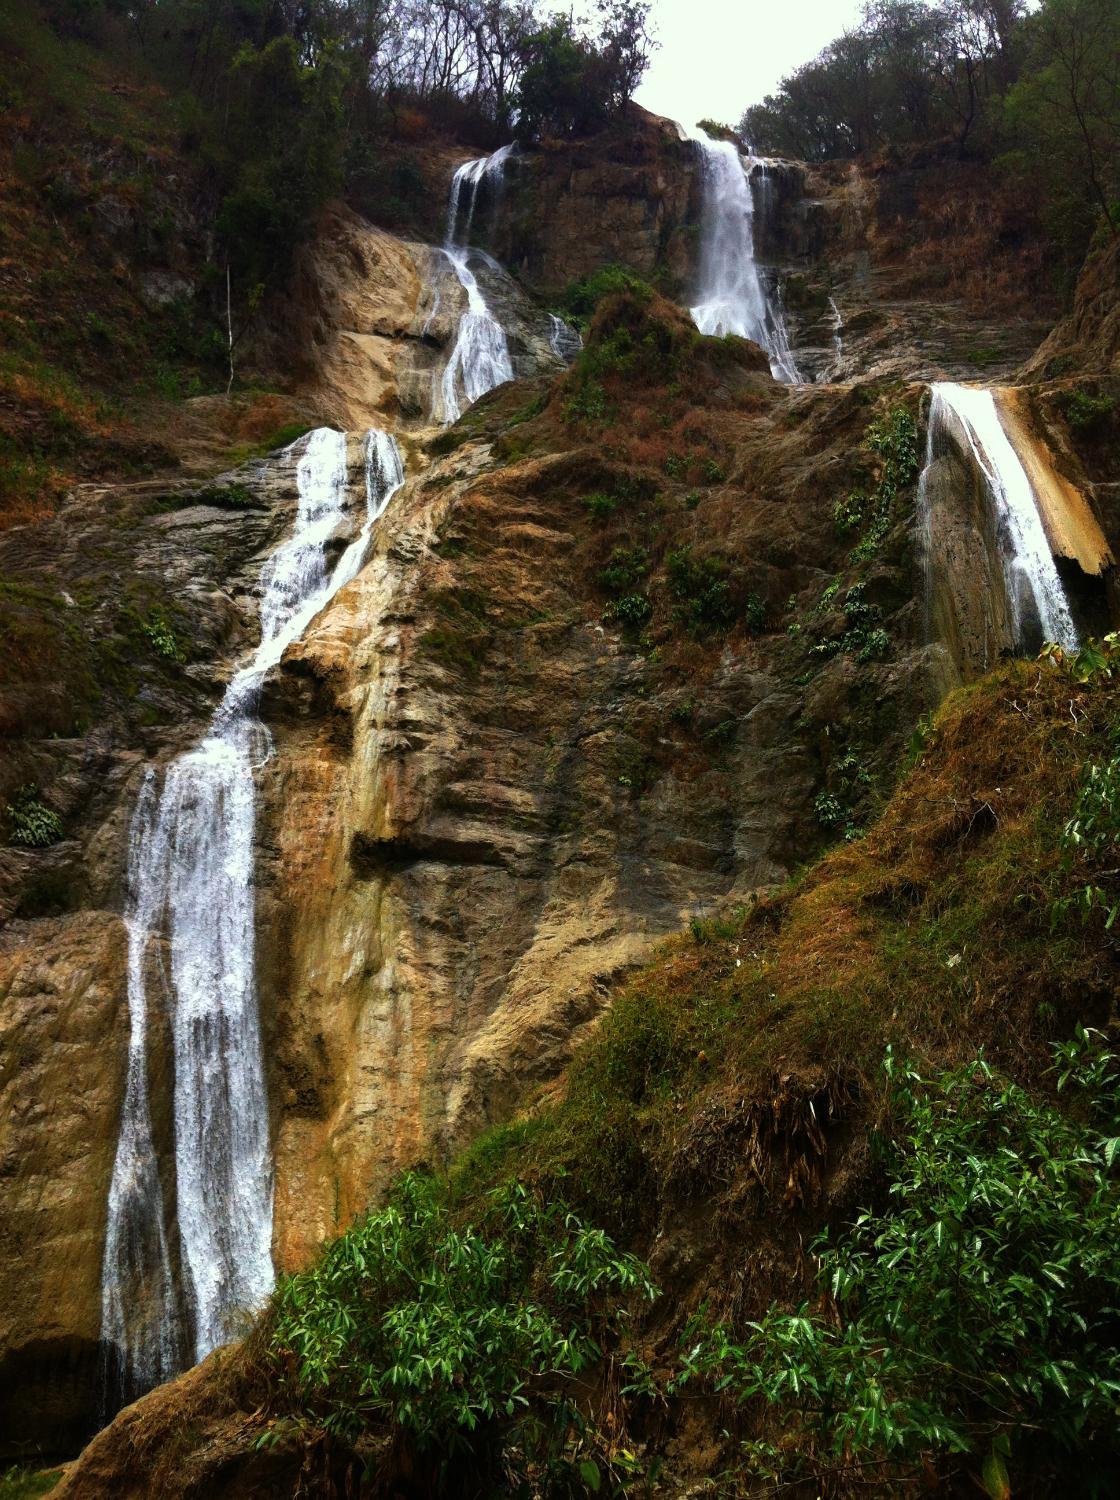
x=1084, y=411
x=623, y=491
x=283, y=156
x=1090, y=838
x=580, y=298
x=160, y=636
x=573, y=83
x=627, y=566
x=848, y=783
x=31, y=823
x=234, y=496
x=600, y=505
x=862, y=631
x=462, y=1336
x=589, y=403
x=25, y=1484
x=849, y=512
x=631, y=611
x=975, y=1308
x=701, y=587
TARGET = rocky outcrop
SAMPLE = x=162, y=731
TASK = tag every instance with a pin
x=629, y=197
x=1088, y=340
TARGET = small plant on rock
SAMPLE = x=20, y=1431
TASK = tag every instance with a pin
x=31, y=823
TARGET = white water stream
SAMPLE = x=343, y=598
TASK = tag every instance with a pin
x=190, y=923
x=732, y=297
x=480, y=358
x=1034, y=589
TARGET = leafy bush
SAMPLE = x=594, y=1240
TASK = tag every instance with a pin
x=893, y=439
x=701, y=588
x=862, y=632
x=24, y=1484
x=848, y=782
x=582, y=297
x=1084, y=411
x=160, y=635
x=848, y=513
x=461, y=1336
x=1093, y=661
x=631, y=611
x=976, y=1308
x=626, y=568
x=589, y=403
x=31, y=823
x=600, y=505
x=235, y=496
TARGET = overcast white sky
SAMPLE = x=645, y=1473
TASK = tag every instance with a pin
x=718, y=56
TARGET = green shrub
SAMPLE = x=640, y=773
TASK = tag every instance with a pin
x=848, y=513
x=600, y=505
x=582, y=297
x=631, y=611
x=848, y=783
x=589, y=403
x=460, y=1336
x=862, y=632
x=1084, y=411
x=160, y=635
x=974, y=1309
x=754, y=614
x=31, y=823
x=234, y=496
x=626, y=568
x=702, y=589
x=893, y=439
x=284, y=436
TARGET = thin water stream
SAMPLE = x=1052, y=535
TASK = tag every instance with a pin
x=192, y=951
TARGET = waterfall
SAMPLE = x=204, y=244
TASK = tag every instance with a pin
x=190, y=919
x=139, y=1326
x=1030, y=577
x=732, y=296
x=837, y=341
x=480, y=358
x=563, y=339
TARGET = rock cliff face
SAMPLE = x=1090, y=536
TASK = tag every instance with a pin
x=631, y=198
x=1089, y=339
x=488, y=797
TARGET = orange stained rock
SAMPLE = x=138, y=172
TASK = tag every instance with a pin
x=1072, y=529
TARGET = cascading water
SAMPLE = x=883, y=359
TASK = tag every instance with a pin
x=837, y=341
x=190, y=882
x=733, y=298
x=564, y=340
x=480, y=358
x=1035, y=595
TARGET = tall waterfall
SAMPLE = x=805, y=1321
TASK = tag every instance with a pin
x=190, y=922
x=480, y=358
x=732, y=296
x=1034, y=590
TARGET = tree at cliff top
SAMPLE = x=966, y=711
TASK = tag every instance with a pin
x=286, y=103
x=1039, y=90
x=1064, y=114
x=910, y=71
